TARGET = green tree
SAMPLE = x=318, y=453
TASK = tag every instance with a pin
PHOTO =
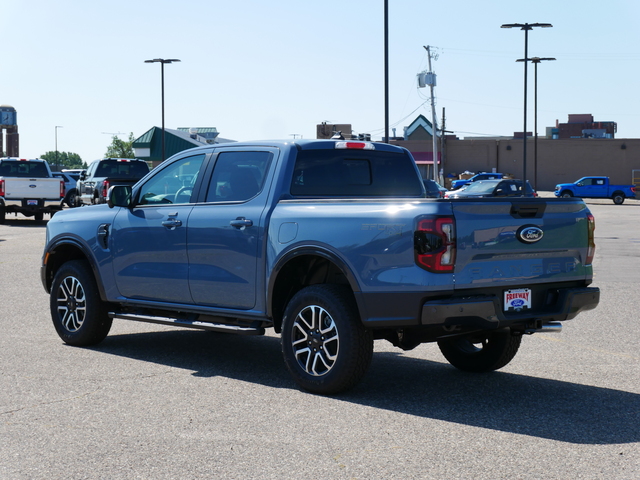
x=64, y=160
x=120, y=148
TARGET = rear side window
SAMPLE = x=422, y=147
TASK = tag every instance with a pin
x=351, y=173
x=238, y=176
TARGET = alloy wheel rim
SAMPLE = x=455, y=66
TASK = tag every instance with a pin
x=315, y=340
x=72, y=304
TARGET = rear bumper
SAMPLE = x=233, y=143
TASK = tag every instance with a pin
x=486, y=311
x=30, y=206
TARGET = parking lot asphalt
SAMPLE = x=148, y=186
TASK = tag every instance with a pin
x=153, y=402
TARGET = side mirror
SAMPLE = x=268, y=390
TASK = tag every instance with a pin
x=83, y=175
x=119, y=196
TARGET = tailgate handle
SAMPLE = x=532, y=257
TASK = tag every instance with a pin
x=527, y=210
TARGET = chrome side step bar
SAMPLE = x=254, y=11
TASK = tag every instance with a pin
x=196, y=324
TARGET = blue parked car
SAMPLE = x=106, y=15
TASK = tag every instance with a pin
x=478, y=176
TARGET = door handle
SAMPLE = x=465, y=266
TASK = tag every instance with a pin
x=241, y=223
x=172, y=223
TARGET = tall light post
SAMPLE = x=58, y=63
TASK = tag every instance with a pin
x=386, y=71
x=535, y=61
x=57, y=163
x=526, y=27
x=162, y=61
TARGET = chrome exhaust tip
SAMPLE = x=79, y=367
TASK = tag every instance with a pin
x=551, y=327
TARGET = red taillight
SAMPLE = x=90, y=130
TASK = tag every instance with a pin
x=105, y=188
x=62, y=189
x=1, y=188
x=434, y=242
x=591, y=249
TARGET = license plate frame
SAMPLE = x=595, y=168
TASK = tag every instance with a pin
x=517, y=299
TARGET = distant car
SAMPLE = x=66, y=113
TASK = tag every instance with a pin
x=94, y=183
x=70, y=178
x=434, y=189
x=493, y=188
x=478, y=176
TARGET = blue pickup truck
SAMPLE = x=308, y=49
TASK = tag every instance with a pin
x=595, y=187
x=330, y=243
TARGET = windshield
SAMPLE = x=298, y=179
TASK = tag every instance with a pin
x=481, y=186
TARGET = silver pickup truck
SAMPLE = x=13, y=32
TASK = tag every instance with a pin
x=28, y=187
x=330, y=243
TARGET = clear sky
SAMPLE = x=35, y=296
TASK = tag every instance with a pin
x=263, y=70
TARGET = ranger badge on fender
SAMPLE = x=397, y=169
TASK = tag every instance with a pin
x=529, y=234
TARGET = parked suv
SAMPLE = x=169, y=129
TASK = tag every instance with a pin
x=102, y=174
x=70, y=179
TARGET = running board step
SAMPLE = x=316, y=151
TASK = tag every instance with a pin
x=176, y=322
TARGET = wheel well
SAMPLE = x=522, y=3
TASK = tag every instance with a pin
x=618, y=192
x=566, y=191
x=59, y=256
x=299, y=272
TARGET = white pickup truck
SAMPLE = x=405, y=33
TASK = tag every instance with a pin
x=28, y=187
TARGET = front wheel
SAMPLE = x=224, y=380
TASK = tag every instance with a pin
x=566, y=195
x=325, y=346
x=79, y=315
x=481, y=352
x=618, y=198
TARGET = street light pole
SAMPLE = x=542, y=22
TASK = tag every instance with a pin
x=162, y=61
x=526, y=27
x=57, y=164
x=535, y=61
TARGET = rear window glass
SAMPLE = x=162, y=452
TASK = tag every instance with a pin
x=350, y=173
x=23, y=169
x=116, y=169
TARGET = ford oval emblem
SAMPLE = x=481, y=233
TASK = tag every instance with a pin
x=529, y=234
x=32, y=186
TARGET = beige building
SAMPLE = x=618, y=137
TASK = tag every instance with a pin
x=558, y=160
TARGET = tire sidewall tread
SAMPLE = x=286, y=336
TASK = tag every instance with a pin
x=97, y=322
x=356, y=342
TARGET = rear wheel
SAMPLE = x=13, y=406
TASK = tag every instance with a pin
x=618, y=198
x=481, y=352
x=79, y=315
x=71, y=200
x=325, y=346
x=3, y=215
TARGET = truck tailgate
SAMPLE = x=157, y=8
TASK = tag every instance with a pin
x=36, y=188
x=496, y=246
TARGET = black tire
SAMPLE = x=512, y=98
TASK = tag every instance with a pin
x=3, y=215
x=38, y=216
x=79, y=315
x=481, y=352
x=618, y=198
x=566, y=194
x=325, y=346
x=70, y=200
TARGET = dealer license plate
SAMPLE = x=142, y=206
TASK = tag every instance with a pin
x=517, y=299
x=32, y=202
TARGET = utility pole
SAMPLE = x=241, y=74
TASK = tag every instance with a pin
x=434, y=128
x=442, y=149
